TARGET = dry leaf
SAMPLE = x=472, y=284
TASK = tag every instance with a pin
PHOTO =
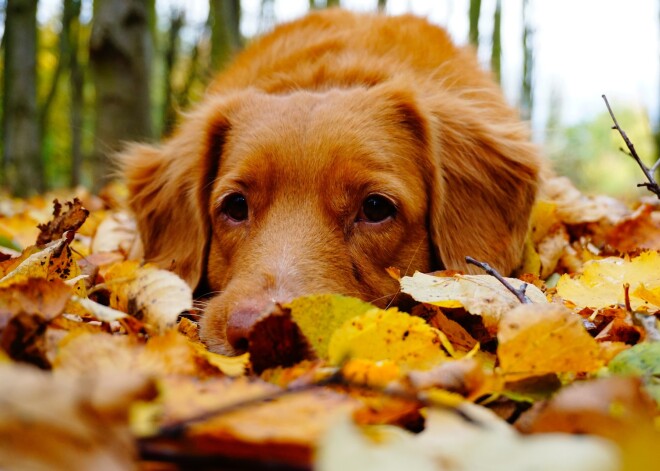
x=641, y=230
x=388, y=336
x=59, y=423
x=318, y=317
x=537, y=339
x=478, y=294
x=69, y=220
x=449, y=442
x=601, y=282
x=154, y=296
x=275, y=340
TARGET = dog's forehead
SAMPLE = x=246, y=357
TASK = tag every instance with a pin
x=307, y=132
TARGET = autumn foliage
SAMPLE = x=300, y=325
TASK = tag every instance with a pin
x=101, y=366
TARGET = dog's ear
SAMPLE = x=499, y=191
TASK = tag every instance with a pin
x=169, y=187
x=485, y=183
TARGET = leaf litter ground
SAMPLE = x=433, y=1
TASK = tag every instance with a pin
x=101, y=366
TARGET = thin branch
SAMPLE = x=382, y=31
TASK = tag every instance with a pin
x=518, y=293
x=652, y=184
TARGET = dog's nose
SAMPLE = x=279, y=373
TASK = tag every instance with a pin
x=239, y=325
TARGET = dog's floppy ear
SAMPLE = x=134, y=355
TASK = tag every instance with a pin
x=169, y=188
x=485, y=183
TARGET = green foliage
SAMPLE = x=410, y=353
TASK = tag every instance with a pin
x=589, y=152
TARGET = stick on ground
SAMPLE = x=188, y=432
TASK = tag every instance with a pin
x=518, y=293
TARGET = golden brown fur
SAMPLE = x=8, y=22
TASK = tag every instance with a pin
x=308, y=122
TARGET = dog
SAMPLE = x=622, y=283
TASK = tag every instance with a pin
x=336, y=146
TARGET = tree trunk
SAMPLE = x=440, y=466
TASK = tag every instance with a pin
x=332, y=3
x=22, y=148
x=474, y=13
x=171, y=53
x=382, y=5
x=496, y=52
x=121, y=48
x=527, y=102
x=76, y=84
x=225, y=17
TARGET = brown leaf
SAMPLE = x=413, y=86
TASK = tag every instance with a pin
x=639, y=231
x=57, y=422
x=460, y=339
x=69, y=220
x=46, y=299
x=616, y=408
x=276, y=340
x=285, y=429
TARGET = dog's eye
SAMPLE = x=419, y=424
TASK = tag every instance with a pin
x=376, y=208
x=235, y=207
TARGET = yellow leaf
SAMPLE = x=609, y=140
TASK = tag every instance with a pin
x=377, y=374
x=319, y=316
x=55, y=261
x=601, y=282
x=478, y=294
x=537, y=339
x=389, y=335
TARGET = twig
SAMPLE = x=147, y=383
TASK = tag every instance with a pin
x=652, y=184
x=518, y=293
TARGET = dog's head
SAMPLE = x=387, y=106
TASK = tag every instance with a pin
x=263, y=198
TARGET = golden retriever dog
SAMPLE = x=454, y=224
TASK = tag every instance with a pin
x=335, y=147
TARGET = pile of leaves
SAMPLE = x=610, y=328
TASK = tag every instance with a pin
x=101, y=366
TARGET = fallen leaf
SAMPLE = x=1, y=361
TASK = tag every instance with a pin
x=601, y=282
x=615, y=408
x=459, y=338
x=55, y=422
x=275, y=340
x=449, y=442
x=47, y=299
x=69, y=220
x=537, y=339
x=388, y=336
x=575, y=208
x=150, y=294
x=167, y=354
x=641, y=230
x=643, y=361
x=318, y=317
x=478, y=294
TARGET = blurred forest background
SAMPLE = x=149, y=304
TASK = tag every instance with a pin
x=94, y=74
